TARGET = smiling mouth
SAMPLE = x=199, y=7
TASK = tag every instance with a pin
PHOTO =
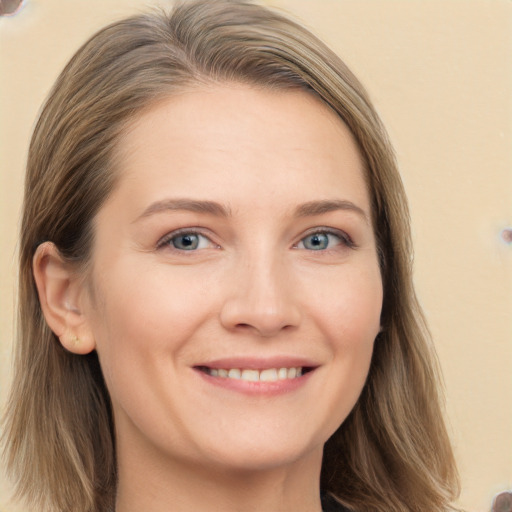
x=252, y=375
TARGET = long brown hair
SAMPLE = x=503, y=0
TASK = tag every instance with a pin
x=392, y=453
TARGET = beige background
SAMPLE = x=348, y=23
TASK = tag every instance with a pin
x=440, y=73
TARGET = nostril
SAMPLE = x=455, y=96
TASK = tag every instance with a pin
x=259, y=310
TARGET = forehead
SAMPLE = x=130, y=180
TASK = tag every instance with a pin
x=220, y=140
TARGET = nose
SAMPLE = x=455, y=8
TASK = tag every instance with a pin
x=262, y=300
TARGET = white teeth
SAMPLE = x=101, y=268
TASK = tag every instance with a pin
x=250, y=375
x=267, y=375
x=234, y=373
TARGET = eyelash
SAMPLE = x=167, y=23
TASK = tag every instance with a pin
x=165, y=241
x=343, y=237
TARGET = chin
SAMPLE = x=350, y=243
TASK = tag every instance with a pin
x=264, y=452
x=263, y=460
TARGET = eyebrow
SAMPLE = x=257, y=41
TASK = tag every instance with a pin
x=309, y=209
x=313, y=208
x=190, y=205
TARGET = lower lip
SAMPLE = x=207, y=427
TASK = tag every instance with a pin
x=272, y=388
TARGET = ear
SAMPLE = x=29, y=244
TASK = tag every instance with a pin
x=62, y=296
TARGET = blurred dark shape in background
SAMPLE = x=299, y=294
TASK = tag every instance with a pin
x=503, y=502
x=9, y=7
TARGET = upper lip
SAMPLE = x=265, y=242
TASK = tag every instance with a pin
x=260, y=363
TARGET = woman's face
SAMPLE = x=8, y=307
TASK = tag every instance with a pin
x=236, y=291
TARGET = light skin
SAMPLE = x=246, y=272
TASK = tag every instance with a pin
x=239, y=236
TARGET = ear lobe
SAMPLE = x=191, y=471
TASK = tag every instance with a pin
x=60, y=295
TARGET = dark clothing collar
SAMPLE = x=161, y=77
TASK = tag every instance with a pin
x=329, y=504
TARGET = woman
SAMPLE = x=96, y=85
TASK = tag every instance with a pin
x=216, y=301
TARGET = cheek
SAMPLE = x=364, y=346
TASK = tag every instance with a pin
x=350, y=308
x=141, y=317
x=351, y=323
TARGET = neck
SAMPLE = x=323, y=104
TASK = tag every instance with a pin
x=165, y=485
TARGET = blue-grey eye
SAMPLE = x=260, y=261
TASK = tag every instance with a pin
x=189, y=241
x=319, y=241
